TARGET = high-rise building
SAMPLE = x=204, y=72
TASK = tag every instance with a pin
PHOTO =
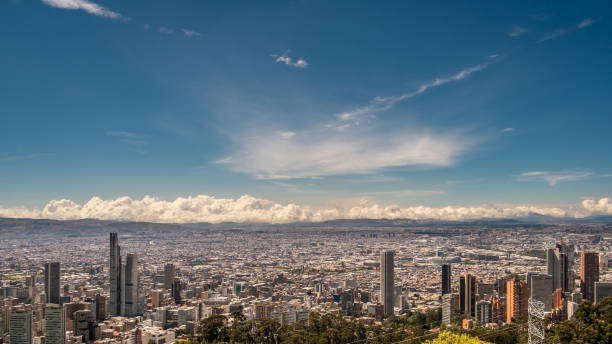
x=100, y=307
x=82, y=323
x=52, y=282
x=589, y=274
x=448, y=308
x=446, y=279
x=20, y=327
x=129, y=290
x=517, y=299
x=55, y=325
x=542, y=289
x=114, y=302
x=347, y=302
x=156, y=297
x=168, y=276
x=498, y=309
x=467, y=294
x=387, y=280
x=559, y=263
x=602, y=290
x=176, y=291
x=483, y=312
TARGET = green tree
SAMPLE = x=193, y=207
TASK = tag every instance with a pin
x=213, y=330
x=452, y=338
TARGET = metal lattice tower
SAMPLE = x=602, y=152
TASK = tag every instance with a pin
x=537, y=325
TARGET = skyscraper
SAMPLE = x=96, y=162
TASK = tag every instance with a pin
x=176, y=291
x=20, y=327
x=559, y=264
x=387, y=279
x=52, y=282
x=100, y=307
x=467, y=294
x=448, y=308
x=129, y=292
x=347, y=302
x=114, y=302
x=168, y=275
x=589, y=274
x=517, y=299
x=446, y=278
x=55, y=325
x=542, y=289
x=483, y=312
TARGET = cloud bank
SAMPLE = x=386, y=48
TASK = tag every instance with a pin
x=204, y=208
x=84, y=5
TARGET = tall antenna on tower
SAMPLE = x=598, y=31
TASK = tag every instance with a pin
x=537, y=325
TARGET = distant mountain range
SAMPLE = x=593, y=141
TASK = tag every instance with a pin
x=103, y=225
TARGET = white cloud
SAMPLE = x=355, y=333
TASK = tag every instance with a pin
x=516, y=31
x=121, y=133
x=225, y=160
x=204, y=208
x=586, y=23
x=409, y=193
x=553, y=178
x=509, y=129
x=346, y=149
x=165, y=30
x=85, y=5
x=552, y=35
x=286, y=134
x=381, y=104
x=284, y=58
x=190, y=33
x=317, y=153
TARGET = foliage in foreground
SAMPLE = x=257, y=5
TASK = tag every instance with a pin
x=590, y=324
x=320, y=328
x=447, y=337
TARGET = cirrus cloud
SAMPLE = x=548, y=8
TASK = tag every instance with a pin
x=84, y=5
x=553, y=178
x=203, y=208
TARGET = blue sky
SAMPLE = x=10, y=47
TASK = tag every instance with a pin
x=306, y=102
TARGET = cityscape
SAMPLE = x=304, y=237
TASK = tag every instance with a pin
x=305, y=172
x=157, y=283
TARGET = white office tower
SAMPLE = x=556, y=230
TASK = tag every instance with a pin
x=129, y=292
x=20, y=327
x=483, y=312
x=55, y=325
x=387, y=278
x=448, y=309
x=114, y=271
x=542, y=289
x=572, y=307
